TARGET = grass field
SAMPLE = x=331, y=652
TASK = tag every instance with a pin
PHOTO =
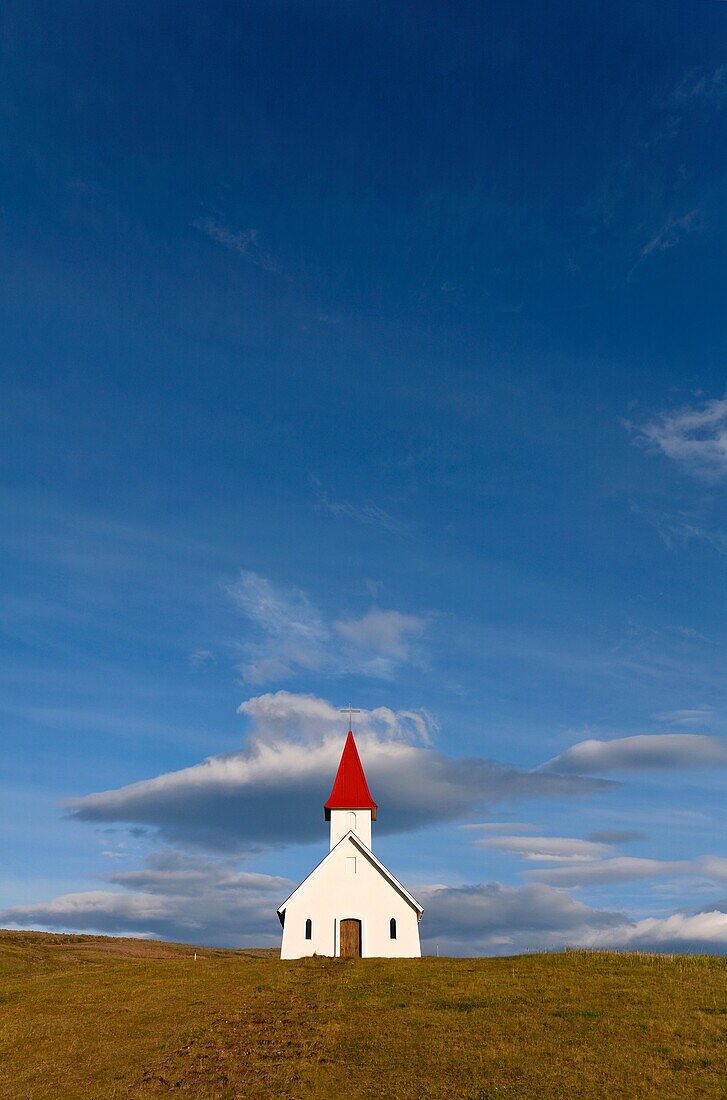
x=93, y=1017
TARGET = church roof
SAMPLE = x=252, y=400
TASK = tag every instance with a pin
x=351, y=838
x=350, y=789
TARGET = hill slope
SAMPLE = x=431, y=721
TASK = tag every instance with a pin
x=93, y=1017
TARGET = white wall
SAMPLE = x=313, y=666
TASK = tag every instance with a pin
x=343, y=821
x=335, y=893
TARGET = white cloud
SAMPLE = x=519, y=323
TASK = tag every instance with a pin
x=272, y=791
x=644, y=752
x=693, y=436
x=294, y=637
x=282, y=716
x=385, y=634
x=703, y=932
x=547, y=848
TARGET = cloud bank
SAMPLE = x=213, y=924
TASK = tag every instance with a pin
x=272, y=791
x=175, y=897
x=676, y=934
x=493, y=919
x=208, y=901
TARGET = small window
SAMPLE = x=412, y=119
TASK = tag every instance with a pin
x=351, y=819
x=350, y=865
x=392, y=928
x=309, y=929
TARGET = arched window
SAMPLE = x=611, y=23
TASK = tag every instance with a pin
x=392, y=928
x=309, y=929
x=351, y=819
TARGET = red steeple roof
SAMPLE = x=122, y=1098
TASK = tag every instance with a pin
x=350, y=789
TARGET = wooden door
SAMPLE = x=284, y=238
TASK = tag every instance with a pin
x=350, y=939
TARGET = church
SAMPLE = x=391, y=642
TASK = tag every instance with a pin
x=350, y=905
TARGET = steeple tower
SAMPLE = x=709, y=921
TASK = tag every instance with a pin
x=350, y=806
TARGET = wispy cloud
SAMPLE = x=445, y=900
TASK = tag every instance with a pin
x=702, y=85
x=644, y=752
x=670, y=233
x=694, y=436
x=629, y=869
x=657, y=195
x=366, y=515
x=202, y=658
x=678, y=529
x=687, y=716
x=245, y=241
x=293, y=636
x=551, y=849
x=593, y=862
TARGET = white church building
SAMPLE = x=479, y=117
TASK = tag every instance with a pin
x=350, y=905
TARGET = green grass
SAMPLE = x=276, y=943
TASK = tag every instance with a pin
x=93, y=1017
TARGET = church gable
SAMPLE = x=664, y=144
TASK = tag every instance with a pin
x=350, y=847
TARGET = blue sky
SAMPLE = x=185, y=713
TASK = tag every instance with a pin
x=365, y=351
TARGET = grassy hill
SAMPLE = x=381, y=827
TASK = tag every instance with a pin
x=86, y=1017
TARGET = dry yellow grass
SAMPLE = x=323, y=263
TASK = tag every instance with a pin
x=93, y=1017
